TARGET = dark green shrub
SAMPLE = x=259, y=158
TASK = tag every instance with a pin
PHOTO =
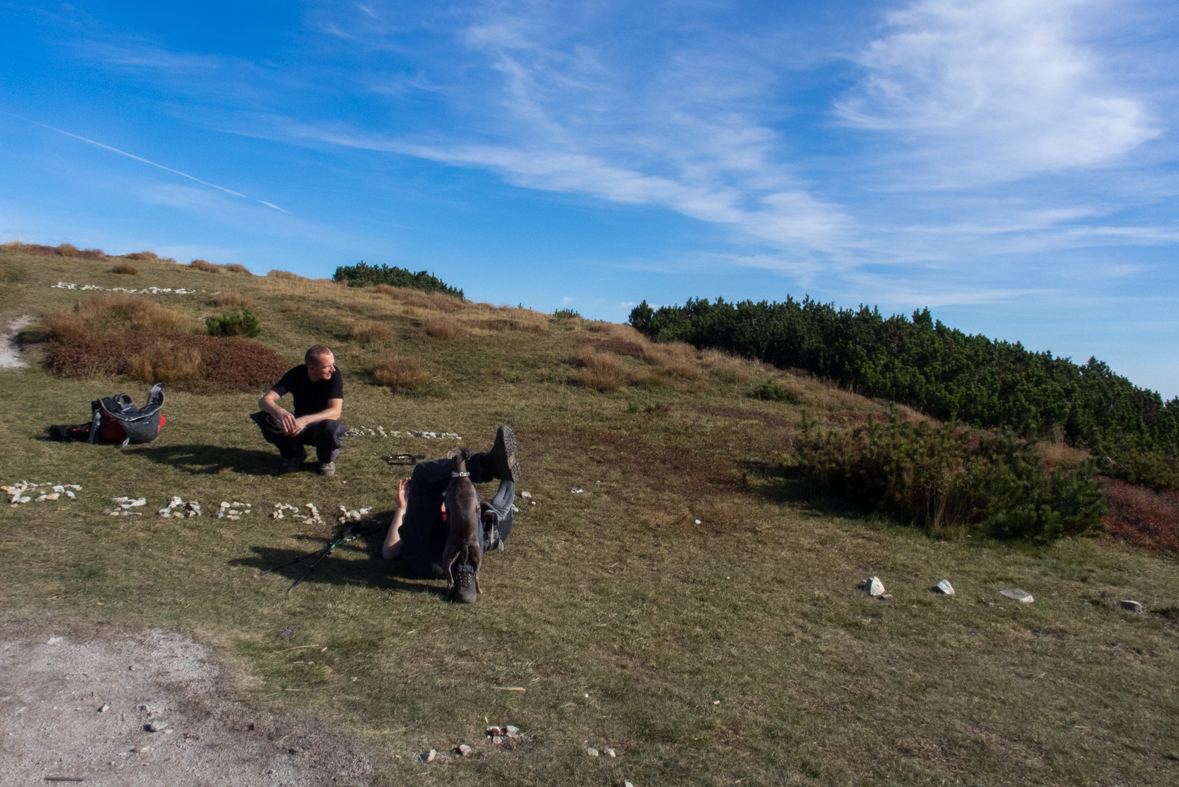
x=946, y=479
x=943, y=372
x=565, y=314
x=364, y=275
x=243, y=324
x=770, y=391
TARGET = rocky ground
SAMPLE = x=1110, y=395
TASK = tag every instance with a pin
x=99, y=704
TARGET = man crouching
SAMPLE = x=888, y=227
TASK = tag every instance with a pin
x=318, y=391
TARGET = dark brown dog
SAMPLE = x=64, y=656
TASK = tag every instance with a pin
x=462, y=512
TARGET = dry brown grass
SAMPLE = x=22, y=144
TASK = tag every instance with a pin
x=440, y=326
x=286, y=276
x=727, y=368
x=68, y=250
x=427, y=301
x=142, y=255
x=233, y=267
x=125, y=268
x=600, y=371
x=110, y=314
x=398, y=371
x=205, y=266
x=370, y=331
x=675, y=359
x=228, y=299
x=1142, y=516
x=1058, y=453
x=164, y=364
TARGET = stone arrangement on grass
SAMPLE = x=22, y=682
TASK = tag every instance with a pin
x=297, y=513
x=178, y=508
x=17, y=496
x=380, y=431
x=65, y=285
x=234, y=510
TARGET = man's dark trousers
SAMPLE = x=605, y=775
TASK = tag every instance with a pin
x=423, y=530
x=326, y=436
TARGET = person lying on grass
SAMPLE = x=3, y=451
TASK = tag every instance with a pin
x=419, y=529
x=318, y=391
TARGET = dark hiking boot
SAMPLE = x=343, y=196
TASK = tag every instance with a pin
x=292, y=463
x=501, y=461
x=464, y=591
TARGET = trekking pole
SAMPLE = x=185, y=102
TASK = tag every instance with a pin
x=403, y=459
x=350, y=534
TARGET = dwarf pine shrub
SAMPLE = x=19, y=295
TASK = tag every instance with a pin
x=946, y=479
x=239, y=324
x=364, y=275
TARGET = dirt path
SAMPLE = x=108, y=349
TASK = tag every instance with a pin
x=79, y=702
x=9, y=349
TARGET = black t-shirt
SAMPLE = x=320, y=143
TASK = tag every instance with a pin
x=310, y=398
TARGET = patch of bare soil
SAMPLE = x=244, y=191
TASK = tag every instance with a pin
x=9, y=348
x=84, y=702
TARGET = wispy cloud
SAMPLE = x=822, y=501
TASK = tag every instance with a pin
x=152, y=163
x=996, y=90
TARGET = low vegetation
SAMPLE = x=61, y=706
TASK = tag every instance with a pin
x=945, y=373
x=104, y=314
x=952, y=481
x=205, y=266
x=243, y=323
x=398, y=371
x=683, y=585
x=364, y=275
x=126, y=269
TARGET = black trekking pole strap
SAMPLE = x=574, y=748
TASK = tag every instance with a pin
x=350, y=534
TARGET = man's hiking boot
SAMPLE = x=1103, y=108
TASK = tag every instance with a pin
x=327, y=468
x=292, y=463
x=464, y=591
x=502, y=459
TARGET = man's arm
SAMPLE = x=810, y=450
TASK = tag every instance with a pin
x=269, y=403
x=332, y=413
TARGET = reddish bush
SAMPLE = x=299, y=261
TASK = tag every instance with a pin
x=1142, y=516
x=225, y=364
x=92, y=254
x=233, y=267
x=142, y=255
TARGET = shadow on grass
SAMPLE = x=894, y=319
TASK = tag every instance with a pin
x=212, y=459
x=374, y=572
x=782, y=483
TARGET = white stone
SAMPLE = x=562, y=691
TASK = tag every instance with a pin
x=1015, y=594
x=525, y=494
x=591, y=751
x=945, y=587
x=875, y=587
x=1133, y=606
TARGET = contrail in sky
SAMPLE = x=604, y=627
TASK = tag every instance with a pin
x=152, y=163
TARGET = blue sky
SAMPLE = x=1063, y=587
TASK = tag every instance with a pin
x=1012, y=165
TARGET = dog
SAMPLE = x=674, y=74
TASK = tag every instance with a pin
x=462, y=511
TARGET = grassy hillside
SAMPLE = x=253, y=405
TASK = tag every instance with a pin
x=692, y=608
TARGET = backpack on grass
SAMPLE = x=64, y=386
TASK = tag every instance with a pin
x=117, y=419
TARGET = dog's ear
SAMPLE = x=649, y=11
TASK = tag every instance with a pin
x=452, y=453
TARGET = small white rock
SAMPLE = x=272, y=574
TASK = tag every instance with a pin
x=1015, y=594
x=591, y=751
x=945, y=587
x=875, y=587
x=1133, y=606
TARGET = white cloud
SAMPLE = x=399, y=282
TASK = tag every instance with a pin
x=996, y=89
